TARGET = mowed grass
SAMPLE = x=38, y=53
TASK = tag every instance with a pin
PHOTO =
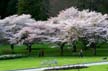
x=34, y=61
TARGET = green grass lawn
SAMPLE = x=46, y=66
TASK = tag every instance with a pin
x=33, y=61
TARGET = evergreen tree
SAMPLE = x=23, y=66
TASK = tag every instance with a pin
x=3, y=5
x=37, y=8
x=12, y=7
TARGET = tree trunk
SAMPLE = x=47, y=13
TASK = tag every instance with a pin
x=93, y=45
x=12, y=48
x=74, y=48
x=29, y=48
x=85, y=43
x=41, y=53
x=61, y=48
x=95, y=51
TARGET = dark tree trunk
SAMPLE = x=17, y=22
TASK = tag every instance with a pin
x=29, y=48
x=12, y=48
x=95, y=50
x=61, y=48
x=74, y=48
x=85, y=43
x=41, y=53
x=93, y=45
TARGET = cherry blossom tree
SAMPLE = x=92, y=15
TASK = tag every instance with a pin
x=90, y=25
x=11, y=25
x=40, y=31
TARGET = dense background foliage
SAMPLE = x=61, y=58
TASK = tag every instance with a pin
x=39, y=8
